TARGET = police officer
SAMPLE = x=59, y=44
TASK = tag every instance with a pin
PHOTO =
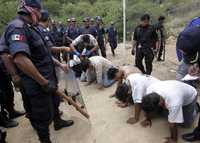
x=7, y=93
x=35, y=65
x=43, y=28
x=145, y=37
x=112, y=37
x=92, y=22
x=57, y=33
x=7, y=99
x=189, y=45
x=73, y=31
x=161, y=32
x=100, y=35
x=87, y=28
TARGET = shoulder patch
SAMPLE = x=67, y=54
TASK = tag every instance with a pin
x=17, y=37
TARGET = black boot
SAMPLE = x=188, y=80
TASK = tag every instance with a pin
x=15, y=114
x=59, y=123
x=7, y=123
x=46, y=140
x=192, y=137
x=3, y=137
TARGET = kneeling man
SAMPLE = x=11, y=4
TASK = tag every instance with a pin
x=96, y=68
x=178, y=98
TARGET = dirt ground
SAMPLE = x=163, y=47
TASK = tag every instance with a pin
x=108, y=122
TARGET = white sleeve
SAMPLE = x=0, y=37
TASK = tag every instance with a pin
x=93, y=41
x=176, y=114
x=99, y=73
x=77, y=41
x=137, y=94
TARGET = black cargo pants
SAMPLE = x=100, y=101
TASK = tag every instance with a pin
x=148, y=56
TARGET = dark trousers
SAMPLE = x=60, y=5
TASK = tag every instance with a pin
x=160, y=52
x=43, y=108
x=7, y=93
x=41, y=112
x=113, y=46
x=147, y=55
x=103, y=50
x=197, y=130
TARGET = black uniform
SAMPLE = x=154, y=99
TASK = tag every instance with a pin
x=112, y=38
x=57, y=33
x=6, y=89
x=100, y=38
x=23, y=38
x=89, y=30
x=188, y=41
x=161, y=32
x=146, y=37
x=49, y=43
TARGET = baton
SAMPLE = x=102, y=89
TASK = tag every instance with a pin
x=78, y=108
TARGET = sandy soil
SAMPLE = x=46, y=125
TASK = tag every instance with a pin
x=108, y=122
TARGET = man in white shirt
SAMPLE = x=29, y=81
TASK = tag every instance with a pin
x=120, y=74
x=178, y=98
x=85, y=45
x=96, y=68
x=136, y=85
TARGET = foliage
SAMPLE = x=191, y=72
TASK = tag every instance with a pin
x=110, y=10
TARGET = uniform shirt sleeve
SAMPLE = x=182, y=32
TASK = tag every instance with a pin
x=3, y=45
x=154, y=34
x=17, y=41
x=48, y=40
x=135, y=38
x=176, y=114
x=95, y=33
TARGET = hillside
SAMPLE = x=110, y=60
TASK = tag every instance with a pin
x=178, y=12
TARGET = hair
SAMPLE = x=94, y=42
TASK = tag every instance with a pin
x=112, y=73
x=85, y=64
x=160, y=18
x=86, y=38
x=150, y=102
x=145, y=17
x=122, y=92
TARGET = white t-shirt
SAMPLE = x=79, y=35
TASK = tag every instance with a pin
x=139, y=83
x=176, y=94
x=101, y=66
x=79, y=39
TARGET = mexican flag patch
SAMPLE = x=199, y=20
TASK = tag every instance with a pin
x=17, y=37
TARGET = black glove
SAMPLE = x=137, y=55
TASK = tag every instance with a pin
x=50, y=87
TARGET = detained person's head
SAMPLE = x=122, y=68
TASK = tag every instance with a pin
x=151, y=102
x=85, y=64
x=86, y=39
x=114, y=74
x=122, y=92
x=145, y=20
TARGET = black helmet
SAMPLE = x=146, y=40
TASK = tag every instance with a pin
x=44, y=15
x=31, y=3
